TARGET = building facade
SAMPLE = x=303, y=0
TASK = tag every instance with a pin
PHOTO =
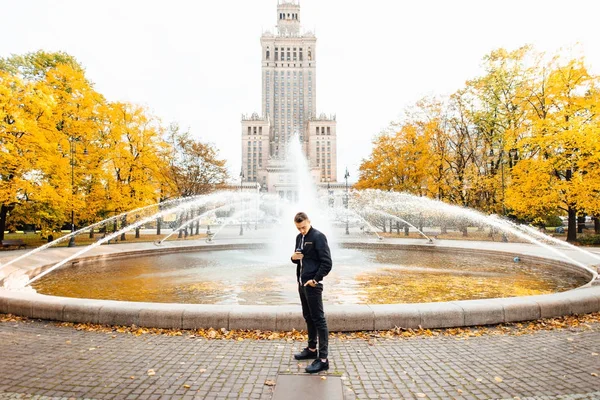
x=289, y=104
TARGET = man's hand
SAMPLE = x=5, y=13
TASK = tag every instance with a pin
x=297, y=256
x=311, y=283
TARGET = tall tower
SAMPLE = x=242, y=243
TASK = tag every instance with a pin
x=289, y=102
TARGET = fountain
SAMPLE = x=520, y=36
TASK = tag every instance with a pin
x=236, y=269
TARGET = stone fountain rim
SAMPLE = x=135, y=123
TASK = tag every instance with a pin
x=366, y=317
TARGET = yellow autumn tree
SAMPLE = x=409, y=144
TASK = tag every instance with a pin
x=498, y=101
x=135, y=164
x=59, y=130
x=398, y=162
x=559, y=152
x=25, y=111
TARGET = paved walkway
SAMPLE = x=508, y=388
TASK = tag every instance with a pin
x=41, y=360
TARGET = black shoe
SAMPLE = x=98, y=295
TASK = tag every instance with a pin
x=306, y=354
x=317, y=366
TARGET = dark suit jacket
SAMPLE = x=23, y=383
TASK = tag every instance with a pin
x=317, y=257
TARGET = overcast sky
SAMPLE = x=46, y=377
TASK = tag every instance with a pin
x=198, y=62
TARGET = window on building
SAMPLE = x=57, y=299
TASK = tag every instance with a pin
x=254, y=130
x=260, y=129
x=268, y=54
x=328, y=130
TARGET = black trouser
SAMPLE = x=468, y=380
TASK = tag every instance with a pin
x=312, y=311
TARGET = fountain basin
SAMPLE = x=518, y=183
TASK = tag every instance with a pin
x=582, y=300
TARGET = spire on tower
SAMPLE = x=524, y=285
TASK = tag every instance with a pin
x=288, y=17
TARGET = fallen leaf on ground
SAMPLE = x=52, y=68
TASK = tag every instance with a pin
x=151, y=372
x=202, y=370
x=498, y=379
x=581, y=322
x=186, y=386
x=270, y=383
x=594, y=374
x=421, y=395
x=323, y=378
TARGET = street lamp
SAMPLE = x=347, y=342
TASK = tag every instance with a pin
x=257, y=207
x=241, y=216
x=512, y=158
x=329, y=193
x=346, y=176
x=72, y=140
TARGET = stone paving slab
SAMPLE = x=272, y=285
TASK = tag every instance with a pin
x=41, y=360
x=306, y=386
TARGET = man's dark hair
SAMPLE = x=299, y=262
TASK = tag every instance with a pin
x=300, y=217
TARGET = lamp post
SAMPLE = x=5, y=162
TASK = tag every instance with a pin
x=257, y=207
x=72, y=140
x=329, y=193
x=242, y=216
x=512, y=158
x=346, y=176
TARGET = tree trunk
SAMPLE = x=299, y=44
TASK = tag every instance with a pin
x=406, y=228
x=580, y=223
x=465, y=231
x=123, y=224
x=3, y=213
x=91, y=233
x=198, y=227
x=158, y=223
x=398, y=227
x=597, y=224
x=572, y=225
x=137, y=232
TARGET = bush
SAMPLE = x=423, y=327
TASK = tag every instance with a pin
x=589, y=240
x=553, y=220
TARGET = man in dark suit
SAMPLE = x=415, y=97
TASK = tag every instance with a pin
x=313, y=260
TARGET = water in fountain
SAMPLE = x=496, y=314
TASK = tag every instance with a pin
x=306, y=200
x=368, y=207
